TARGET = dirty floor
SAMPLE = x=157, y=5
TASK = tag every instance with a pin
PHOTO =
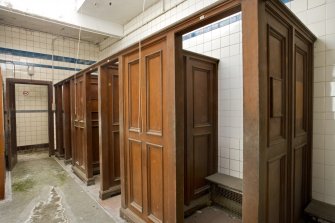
x=42, y=192
x=212, y=214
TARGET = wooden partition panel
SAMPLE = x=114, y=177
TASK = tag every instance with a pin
x=148, y=188
x=66, y=100
x=109, y=134
x=86, y=129
x=59, y=120
x=2, y=143
x=281, y=85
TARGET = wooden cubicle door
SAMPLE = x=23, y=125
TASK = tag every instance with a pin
x=201, y=81
x=2, y=143
x=148, y=187
x=93, y=123
x=86, y=128
x=288, y=152
x=59, y=121
x=79, y=123
x=109, y=131
x=67, y=121
x=301, y=125
x=11, y=122
x=72, y=112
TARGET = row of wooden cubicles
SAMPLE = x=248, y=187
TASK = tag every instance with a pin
x=128, y=114
x=77, y=127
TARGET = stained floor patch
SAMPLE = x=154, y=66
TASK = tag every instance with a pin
x=51, y=211
x=23, y=184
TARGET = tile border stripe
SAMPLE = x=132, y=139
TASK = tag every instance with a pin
x=22, y=53
x=217, y=25
x=39, y=65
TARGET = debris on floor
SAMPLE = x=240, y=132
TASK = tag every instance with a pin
x=212, y=214
x=51, y=211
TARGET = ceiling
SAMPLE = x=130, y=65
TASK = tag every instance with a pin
x=118, y=11
x=108, y=12
x=43, y=25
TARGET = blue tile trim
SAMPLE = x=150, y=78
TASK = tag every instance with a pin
x=39, y=65
x=217, y=25
x=43, y=56
x=213, y=26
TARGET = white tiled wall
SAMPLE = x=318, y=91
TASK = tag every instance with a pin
x=31, y=114
x=13, y=38
x=225, y=44
x=319, y=16
x=175, y=10
x=38, y=42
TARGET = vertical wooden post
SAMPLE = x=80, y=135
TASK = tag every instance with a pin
x=2, y=145
x=252, y=122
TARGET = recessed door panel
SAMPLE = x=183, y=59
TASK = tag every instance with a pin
x=134, y=95
x=155, y=182
x=135, y=175
x=153, y=69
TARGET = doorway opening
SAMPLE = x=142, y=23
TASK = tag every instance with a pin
x=29, y=117
x=211, y=57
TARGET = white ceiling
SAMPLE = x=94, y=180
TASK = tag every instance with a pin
x=120, y=11
x=100, y=19
x=42, y=25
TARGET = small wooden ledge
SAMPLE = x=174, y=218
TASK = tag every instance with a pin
x=229, y=182
x=318, y=210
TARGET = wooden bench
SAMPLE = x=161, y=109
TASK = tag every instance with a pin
x=318, y=211
x=227, y=191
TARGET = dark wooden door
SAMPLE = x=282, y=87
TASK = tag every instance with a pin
x=201, y=123
x=59, y=120
x=79, y=122
x=73, y=116
x=67, y=121
x=109, y=131
x=278, y=136
x=2, y=143
x=92, y=123
x=11, y=125
x=301, y=126
x=288, y=152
